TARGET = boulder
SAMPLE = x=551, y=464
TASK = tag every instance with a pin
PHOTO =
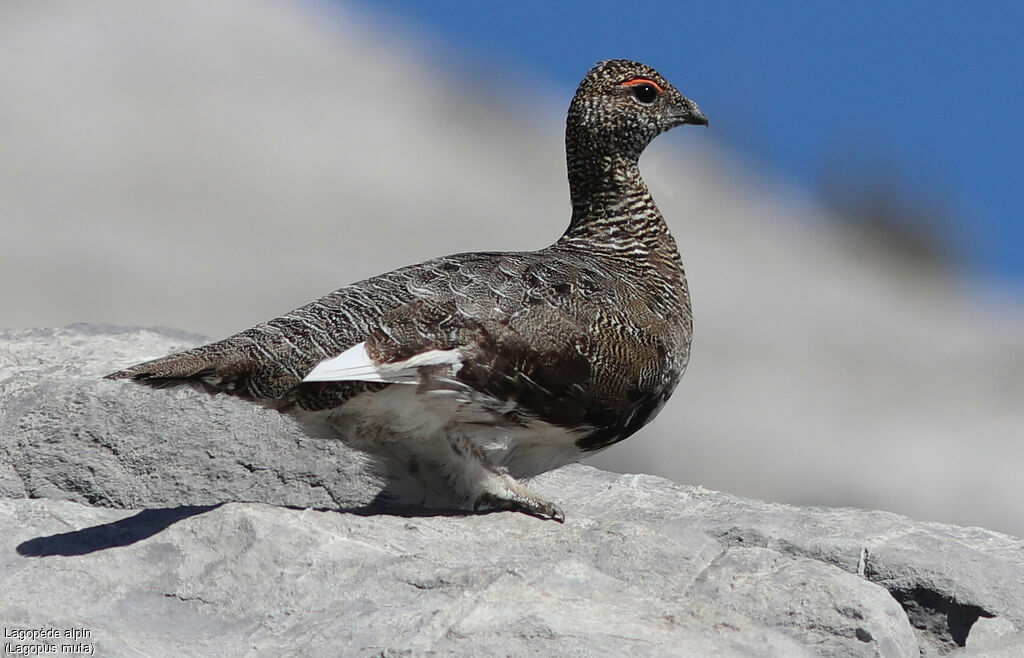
x=169, y=522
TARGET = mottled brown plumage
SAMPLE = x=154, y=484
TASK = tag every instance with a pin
x=463, y=373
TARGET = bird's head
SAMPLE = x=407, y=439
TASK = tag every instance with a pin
x=621, y=105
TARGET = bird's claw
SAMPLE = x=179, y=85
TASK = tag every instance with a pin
x=525, y=504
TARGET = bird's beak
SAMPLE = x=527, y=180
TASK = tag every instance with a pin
x=698, y=119
x=692, y=114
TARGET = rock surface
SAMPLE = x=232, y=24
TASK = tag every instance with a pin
x=120, y=517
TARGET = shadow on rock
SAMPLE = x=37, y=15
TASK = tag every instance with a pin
x=124, y=532
x=149, y=522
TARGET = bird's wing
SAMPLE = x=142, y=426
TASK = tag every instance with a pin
x=462, y=306
x=501, y=325
x=540, y=358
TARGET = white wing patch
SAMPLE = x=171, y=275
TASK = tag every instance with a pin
x=355, y=365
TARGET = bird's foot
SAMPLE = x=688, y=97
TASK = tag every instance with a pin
x=518, y=498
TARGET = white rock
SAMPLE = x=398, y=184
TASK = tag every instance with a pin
x=641, y=566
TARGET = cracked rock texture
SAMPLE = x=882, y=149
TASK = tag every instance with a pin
x=176, y=523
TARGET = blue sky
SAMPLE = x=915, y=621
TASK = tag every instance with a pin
x=930, y=94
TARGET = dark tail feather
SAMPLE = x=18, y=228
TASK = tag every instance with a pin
x=266, y=372
x=205, y=365
x=182, y=367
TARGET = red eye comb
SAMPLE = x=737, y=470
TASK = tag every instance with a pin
x=642, y=81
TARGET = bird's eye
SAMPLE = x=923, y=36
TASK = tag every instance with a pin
x=645, y=93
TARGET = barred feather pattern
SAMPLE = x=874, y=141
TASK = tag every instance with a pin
x=590, y=335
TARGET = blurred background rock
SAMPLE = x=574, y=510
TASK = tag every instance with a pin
x=207, y=166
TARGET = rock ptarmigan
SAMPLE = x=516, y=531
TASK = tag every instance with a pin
x=461, y=376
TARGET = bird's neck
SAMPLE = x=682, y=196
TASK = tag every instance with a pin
x=614, y=215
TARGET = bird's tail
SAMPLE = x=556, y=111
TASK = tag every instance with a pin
x=240, y=365
x=208, y=364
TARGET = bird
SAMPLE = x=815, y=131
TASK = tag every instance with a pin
x=463, y=377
